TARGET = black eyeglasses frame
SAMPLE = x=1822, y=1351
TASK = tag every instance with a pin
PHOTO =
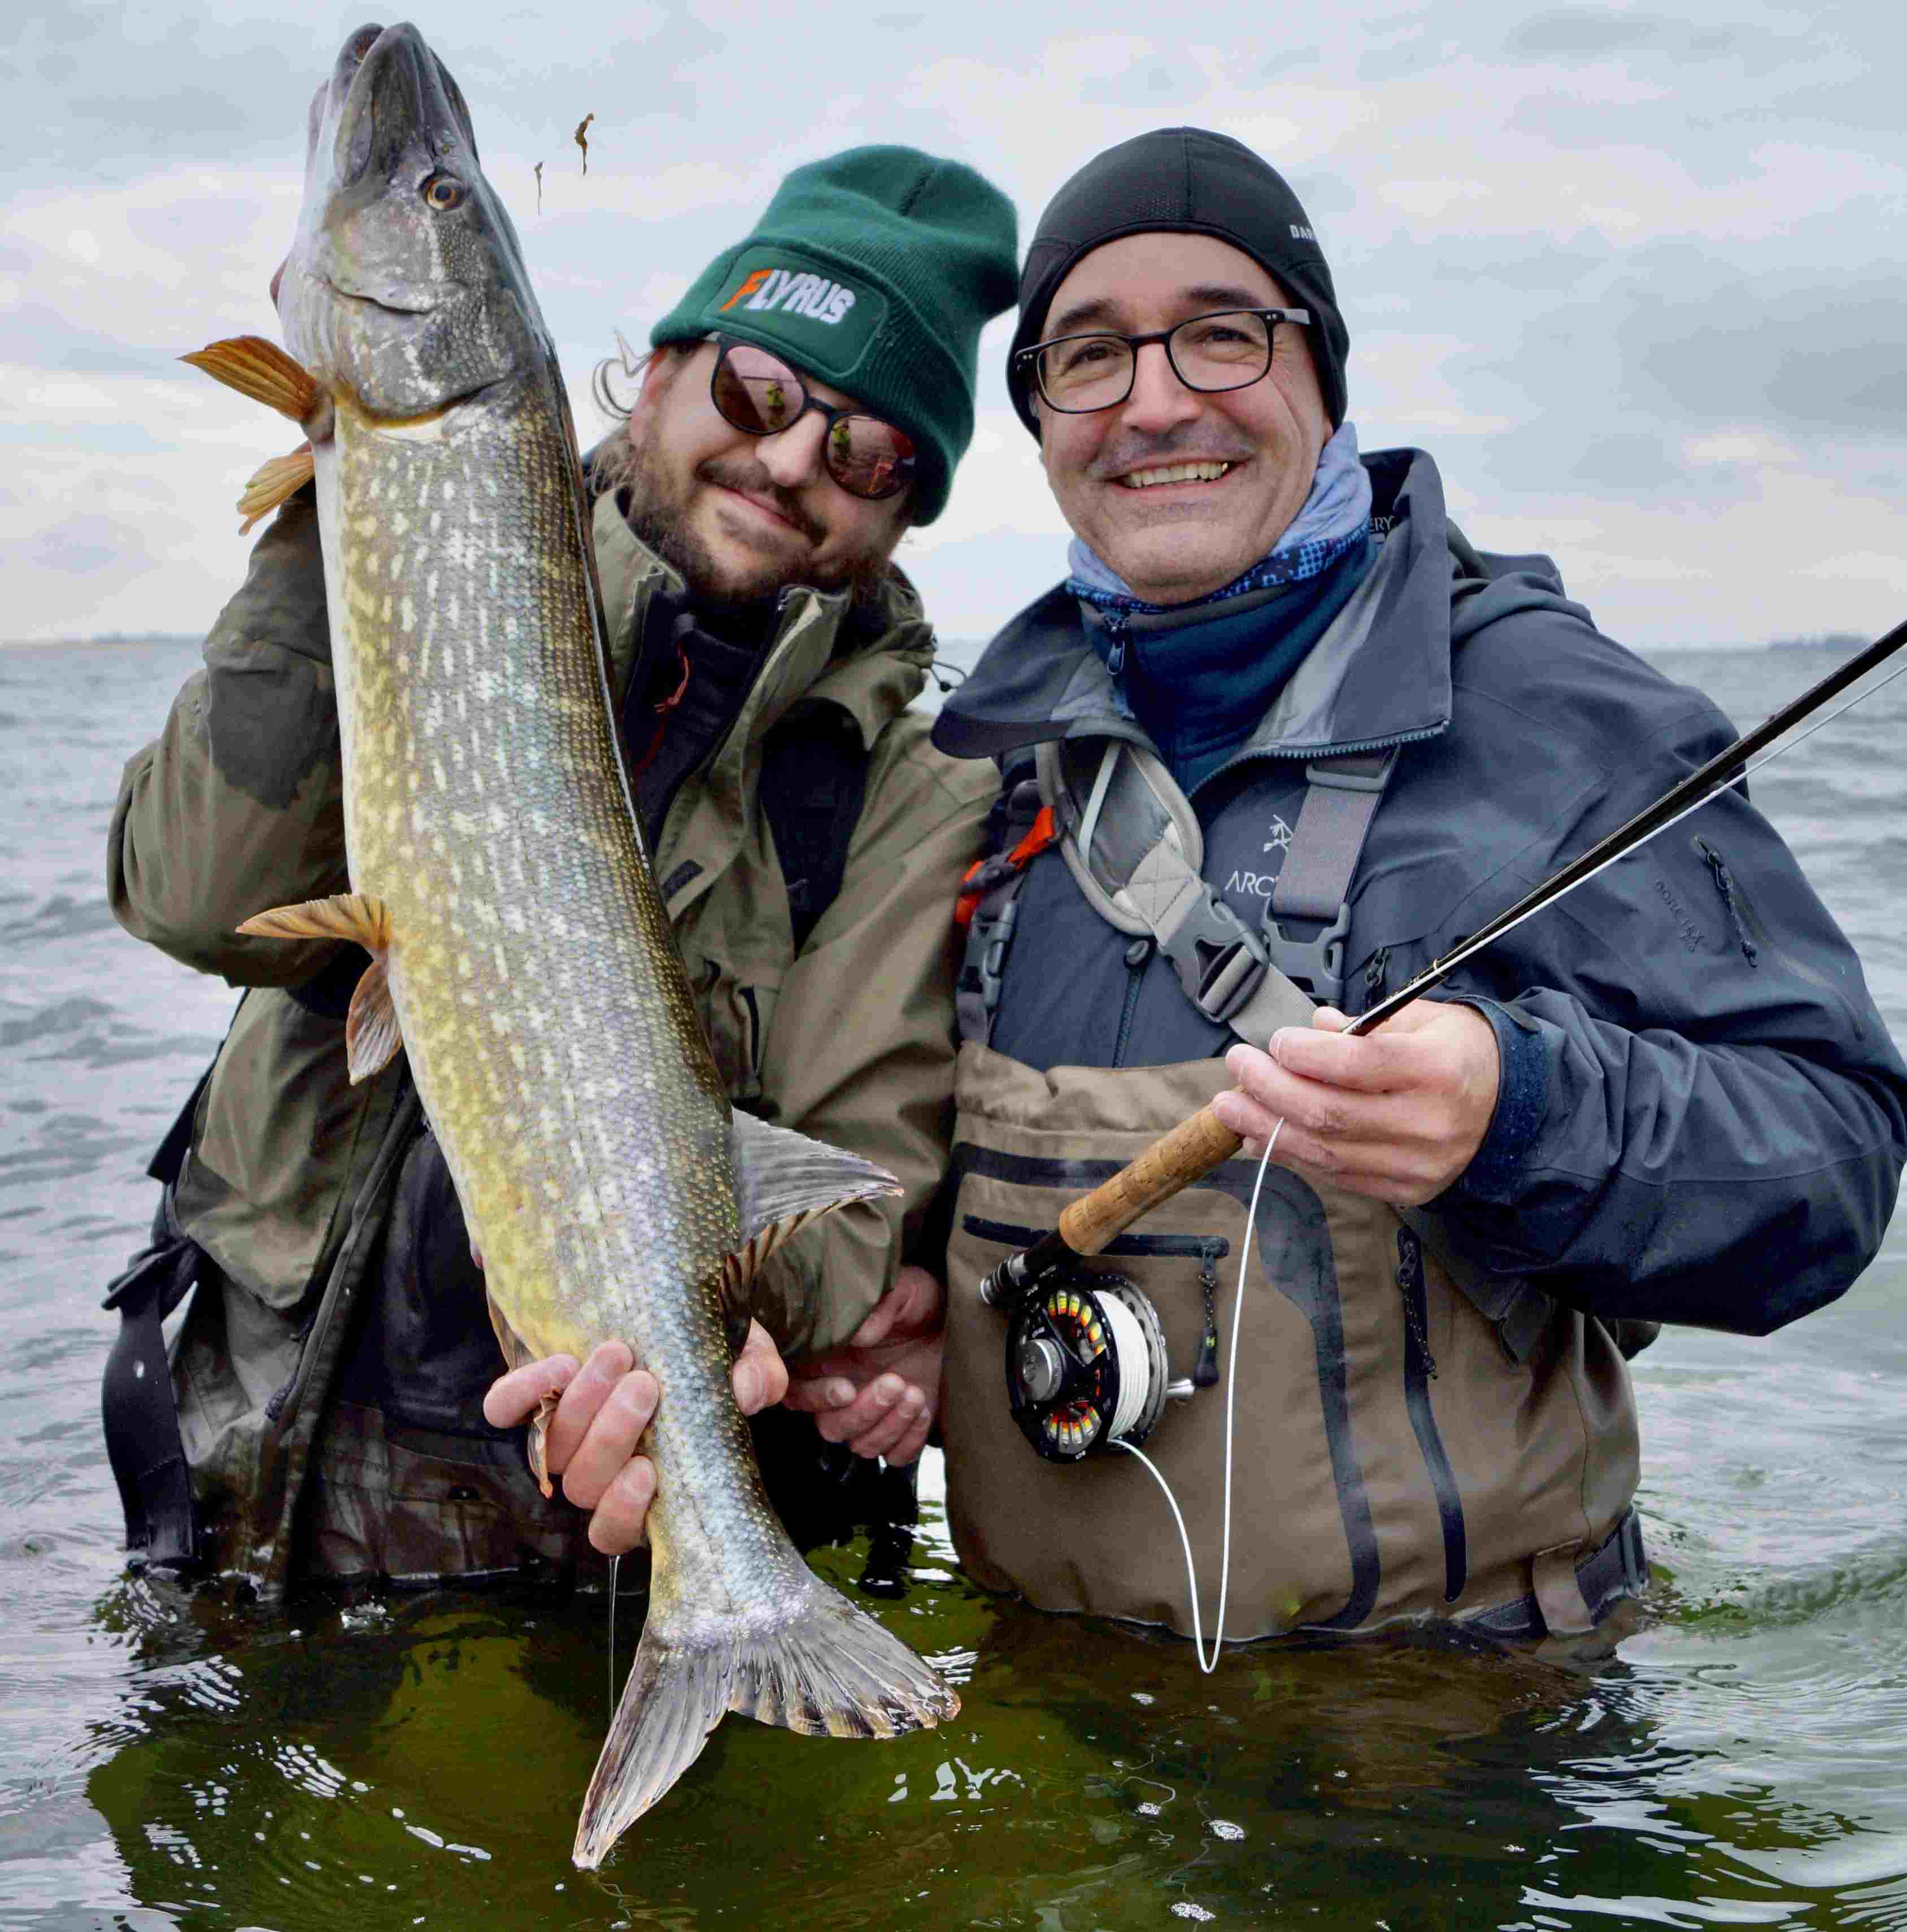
x=1029, y=357
x=904, y=467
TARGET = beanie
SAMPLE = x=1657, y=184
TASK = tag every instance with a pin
x=874, y=271
x=1189, y=181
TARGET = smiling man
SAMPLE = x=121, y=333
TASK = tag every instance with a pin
x=805, y=405
x=1280, y=737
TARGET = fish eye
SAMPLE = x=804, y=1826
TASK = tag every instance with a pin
x=443, y=192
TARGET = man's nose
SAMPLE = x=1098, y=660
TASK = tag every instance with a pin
x=1159, y=400
x=792, y=456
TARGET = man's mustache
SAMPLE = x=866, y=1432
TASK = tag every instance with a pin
x=752, y=480
x=1135, y=450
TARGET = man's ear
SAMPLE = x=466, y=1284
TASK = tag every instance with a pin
x=660, y=368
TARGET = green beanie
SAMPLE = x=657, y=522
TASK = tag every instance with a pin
x=874, y=271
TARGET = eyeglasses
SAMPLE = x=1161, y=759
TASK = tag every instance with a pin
x=1229, y=350
x=758, y=393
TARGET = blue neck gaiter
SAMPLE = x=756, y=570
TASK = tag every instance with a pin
x=1199, y=676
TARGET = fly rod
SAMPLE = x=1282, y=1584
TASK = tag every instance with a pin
x=1196, y=1146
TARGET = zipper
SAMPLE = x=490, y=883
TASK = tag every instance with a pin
x=1138, y=956
x=1724, y=884
x=1374, y=972
x=1419, y=1372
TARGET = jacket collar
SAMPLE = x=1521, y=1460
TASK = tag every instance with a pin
x=1380, y=676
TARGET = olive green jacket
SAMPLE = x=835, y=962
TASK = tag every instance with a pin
x=237, y=806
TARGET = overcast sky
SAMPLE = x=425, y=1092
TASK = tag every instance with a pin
x=1634, y=276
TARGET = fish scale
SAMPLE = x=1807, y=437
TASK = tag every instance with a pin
x=520, y=953
x=515, y=980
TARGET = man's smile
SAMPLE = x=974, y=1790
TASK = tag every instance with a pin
x=1173, y=472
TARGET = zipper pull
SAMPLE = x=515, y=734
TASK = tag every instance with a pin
x=1116, y=630
x=1205, y=1373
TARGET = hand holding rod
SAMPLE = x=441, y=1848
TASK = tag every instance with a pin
x=1197, y=1145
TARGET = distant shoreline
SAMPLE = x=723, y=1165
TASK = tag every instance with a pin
x=109, y=642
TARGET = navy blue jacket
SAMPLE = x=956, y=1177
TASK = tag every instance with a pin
x=1702, y=1118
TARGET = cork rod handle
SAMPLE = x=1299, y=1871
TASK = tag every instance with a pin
x=1192, y=1149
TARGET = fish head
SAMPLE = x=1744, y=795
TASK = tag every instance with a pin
x=404, y=291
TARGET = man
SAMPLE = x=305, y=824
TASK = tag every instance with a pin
x=1281, y=737
x=806, y=403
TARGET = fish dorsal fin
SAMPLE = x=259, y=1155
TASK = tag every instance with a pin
x=372, y=1034
x=275, y=482
x=261, y=371
x=783, y=1180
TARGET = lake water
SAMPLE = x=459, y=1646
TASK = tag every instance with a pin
x=417, y=1761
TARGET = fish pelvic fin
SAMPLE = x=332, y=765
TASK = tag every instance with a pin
x=372, y=1032
x=261, y=371
x=827, y=1670
x=783, y=1180
x=516, y=1353
x=273, y=483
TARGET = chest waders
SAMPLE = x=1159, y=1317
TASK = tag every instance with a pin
x=1411, y=1440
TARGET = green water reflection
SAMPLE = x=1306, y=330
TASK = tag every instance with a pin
x=419, y=1761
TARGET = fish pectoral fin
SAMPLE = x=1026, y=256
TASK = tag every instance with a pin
x=261, y=371
x=275, y=482
x=356, y=917
x=516, y=1352
x=372, y=1034
x=783, y=1180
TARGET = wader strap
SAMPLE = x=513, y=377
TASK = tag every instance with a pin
x=1340, y=800
x=137, y=1408
x=989, y=905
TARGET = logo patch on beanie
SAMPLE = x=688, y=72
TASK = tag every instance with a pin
x=779, y=297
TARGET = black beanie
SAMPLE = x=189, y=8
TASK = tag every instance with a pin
x=1184, y=181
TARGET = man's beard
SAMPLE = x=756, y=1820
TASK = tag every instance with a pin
x=634, y=469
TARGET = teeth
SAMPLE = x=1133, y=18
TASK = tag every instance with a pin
x=1175, y=472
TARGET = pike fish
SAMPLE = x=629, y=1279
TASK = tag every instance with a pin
x=520, y=954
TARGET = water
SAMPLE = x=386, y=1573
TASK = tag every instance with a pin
x=418, y=1761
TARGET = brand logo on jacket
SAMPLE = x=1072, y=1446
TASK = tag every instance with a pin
x=1262, y=884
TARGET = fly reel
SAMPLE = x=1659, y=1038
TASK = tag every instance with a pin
x=1085, y=1364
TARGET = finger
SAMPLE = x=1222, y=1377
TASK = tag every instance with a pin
x=759, y=1376
x=815, y=1395
x=912, y=1303
x=608, y=1363
x=870, y=1407
x=885, y=1438
x=913, y=1440
x=620, y=1519
x=1372, y=1063
x=605, y=1450
x=513, y=1398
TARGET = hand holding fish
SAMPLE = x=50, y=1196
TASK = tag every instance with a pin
x=879, y=1394
x=607, y=1404
x=1397, y=1113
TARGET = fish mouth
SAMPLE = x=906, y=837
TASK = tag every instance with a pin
x=390, y=89
x=389, y=304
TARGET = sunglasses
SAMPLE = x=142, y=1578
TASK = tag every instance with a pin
x=756, y=392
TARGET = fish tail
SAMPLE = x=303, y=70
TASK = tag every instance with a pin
x=830, y=1670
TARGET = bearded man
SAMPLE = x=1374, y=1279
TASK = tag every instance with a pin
x=805, y=404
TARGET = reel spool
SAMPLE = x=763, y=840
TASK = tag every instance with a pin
x=1085, y=1365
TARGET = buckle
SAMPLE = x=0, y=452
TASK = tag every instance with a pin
x=1217, y=957
x=1317, y=963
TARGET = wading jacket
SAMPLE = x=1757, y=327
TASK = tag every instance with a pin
x=331, y=1365
x=1701, y=1118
